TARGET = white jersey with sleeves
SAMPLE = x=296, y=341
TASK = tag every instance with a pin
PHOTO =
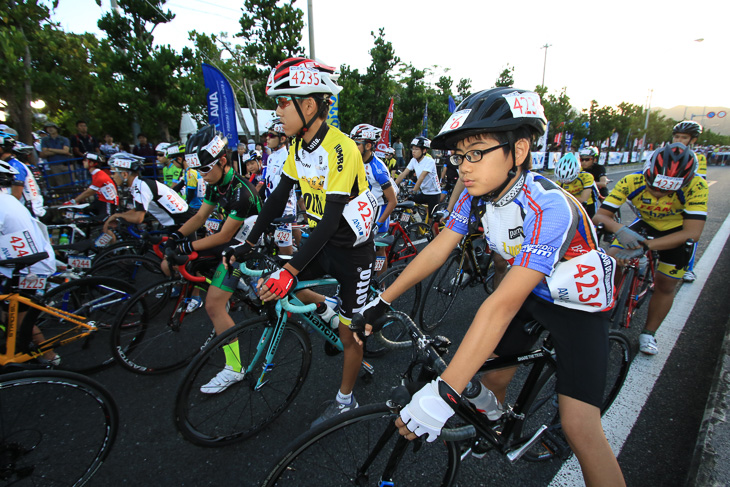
x=430, y=184
x=161, y=201
x=378, y=178
x=21, y=235
x=272, y=176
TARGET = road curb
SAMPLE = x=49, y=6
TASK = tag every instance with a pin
x=709, y=466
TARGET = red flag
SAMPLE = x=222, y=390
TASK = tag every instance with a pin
x=558, y=138
x=384, y=141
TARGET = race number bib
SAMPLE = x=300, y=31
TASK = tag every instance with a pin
x=18, y=244
x=103, y=240
x=32, y=282
x=173, y=203
x=80, y=261
x=301, y=76
x=360, y=215
x=201, y=188
x=584, y=282
x=213, y=225
x=109, y=192
x=246, y=228
x=667, y=183
x=456, y=120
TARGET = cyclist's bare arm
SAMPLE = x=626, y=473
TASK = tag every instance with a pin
x=426, y=262
x=607, y=218
x=197, y=220
x=584, y=195
x=131, y=216
x=402, y=176
x=392, y=199
x=82, y=197
x=455, y=193
x=690, y=229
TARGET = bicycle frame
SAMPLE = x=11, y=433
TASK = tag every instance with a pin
x=409, y=249
x=82, y=329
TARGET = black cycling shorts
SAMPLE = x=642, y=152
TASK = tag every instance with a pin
x=351, y=266
x=427, y=199
x=672, y=262
x=581, y=346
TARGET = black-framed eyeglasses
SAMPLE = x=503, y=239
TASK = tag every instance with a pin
x=585, y=159
x=474, y=155
x=206, y=169
x=272, y=135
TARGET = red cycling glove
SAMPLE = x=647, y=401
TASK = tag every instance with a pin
x=281, y=282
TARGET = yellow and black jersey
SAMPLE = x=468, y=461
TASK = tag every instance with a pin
x=702, y=165
x=663, y=213
x=581, y=183
x=329, y=168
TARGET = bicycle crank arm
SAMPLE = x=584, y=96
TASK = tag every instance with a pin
x=515, y=455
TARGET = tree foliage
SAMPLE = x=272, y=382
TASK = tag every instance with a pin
x=506, y=77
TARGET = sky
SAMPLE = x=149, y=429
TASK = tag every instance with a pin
x=623, y=50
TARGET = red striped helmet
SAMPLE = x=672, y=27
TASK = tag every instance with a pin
x=303, y=77
x=671, y=167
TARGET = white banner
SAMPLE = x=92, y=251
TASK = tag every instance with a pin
x=553, y=158
x=624, y=157
x=602, y=159
x=538, y=160
x=614, y=158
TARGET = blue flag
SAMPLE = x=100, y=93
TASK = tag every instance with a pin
x=221, y=104
x=425, y=121
x=452, y=105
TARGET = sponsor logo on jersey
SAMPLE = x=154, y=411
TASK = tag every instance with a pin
x=646, y=201
x=516, y=232
x=537, y=249
x=340, y=157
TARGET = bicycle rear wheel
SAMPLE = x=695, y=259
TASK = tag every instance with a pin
x=97, y=299
x=354, y=448
x=244, y=408
x=156, y=333
x=440, y=293
x=56, y=428
x=134, y=269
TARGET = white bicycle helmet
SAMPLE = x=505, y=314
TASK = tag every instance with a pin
x=276, y=127
x=124, y=161
x=162, y=147
x=365, y=131
x=567, y=168
x=302, y=76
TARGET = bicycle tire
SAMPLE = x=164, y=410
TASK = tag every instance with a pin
x=618, y=316
x=125, y=247
x=56, y=428
x=395, y=331
x=319, y=456
x=154, y=333
x=97, y=299
x=440, y=293
x=241, y=410
x=542, y=406
x=136, y=269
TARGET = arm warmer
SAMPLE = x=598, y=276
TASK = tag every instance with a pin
x=326, y=228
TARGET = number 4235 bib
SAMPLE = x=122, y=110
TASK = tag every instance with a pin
x=584, y=283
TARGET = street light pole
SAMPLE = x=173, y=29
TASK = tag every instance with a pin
x=544, y=63
x=310, y=20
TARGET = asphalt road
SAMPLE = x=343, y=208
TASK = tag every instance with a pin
x=149, y=450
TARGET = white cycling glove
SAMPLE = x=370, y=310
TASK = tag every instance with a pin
x=628, y=238
x=428, y=412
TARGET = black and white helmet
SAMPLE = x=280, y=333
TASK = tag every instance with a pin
x=205, y=147
x=688, y=127
x=421, y=142
x=7, y=174
x=365, y=131
x=124, y=161
x=276, y=127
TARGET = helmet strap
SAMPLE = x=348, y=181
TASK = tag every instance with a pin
x=305, y=128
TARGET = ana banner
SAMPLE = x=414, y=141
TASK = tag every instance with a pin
x=221, y=104
x=333, y=116
x=538, y=160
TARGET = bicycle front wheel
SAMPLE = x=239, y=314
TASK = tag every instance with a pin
x=134, y=269
x=56, y=428
x=161, y=329
x=395, y=330
x=362, y=447
x=98, y=299
x=247, y=406
x=619, y=317
x=441, y=292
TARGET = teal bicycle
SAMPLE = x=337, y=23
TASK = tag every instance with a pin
x=274, y=352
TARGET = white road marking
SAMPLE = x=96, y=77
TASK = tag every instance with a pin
x=645, y=370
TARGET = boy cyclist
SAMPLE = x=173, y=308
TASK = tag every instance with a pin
x=548, y=238
x=341, y=209
x=102, y=185
x=576, y=182
x=278, y=143
x=687, y=133
x=672, y=203
x=425, y=168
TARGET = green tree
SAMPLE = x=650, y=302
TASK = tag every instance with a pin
x=463, y=89
x=506, y=77
x=144, y=86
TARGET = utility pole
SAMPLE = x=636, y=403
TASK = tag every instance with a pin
x=646, y=124
x=310, y=21
x=544, y=63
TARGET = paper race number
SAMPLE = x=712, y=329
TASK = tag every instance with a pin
x=360, y=215
x=456, y=120
x=301, y=76
x=173, y=203
x=525, y=105
x=213, y=225
x=32, y=281
x=17, y=244
x=80, y=261
x=667, y=183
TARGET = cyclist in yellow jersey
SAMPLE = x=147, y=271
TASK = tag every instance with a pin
x=687, y=133
x=330, y=171
x=672, y=203
x=576, y=182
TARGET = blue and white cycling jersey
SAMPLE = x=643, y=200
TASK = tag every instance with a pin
x=32, y=196
x=539, y=226
x=378, y=178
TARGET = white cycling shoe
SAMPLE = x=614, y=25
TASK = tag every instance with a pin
x=222, y=381
x=647, y=344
